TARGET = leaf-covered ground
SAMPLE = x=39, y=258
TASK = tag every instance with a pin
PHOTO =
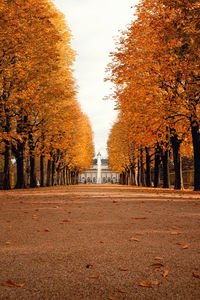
x=99, y=242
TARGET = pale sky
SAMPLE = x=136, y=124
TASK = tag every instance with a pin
x=94, y=24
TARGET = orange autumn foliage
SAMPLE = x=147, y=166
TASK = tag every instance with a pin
x=155, y=70
x=38, y=107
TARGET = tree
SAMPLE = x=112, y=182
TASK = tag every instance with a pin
x=38, y=109
x=155, y=72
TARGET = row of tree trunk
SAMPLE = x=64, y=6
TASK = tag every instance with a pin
x=141, y=172
x=55, y=172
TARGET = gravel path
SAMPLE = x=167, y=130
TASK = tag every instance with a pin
x=99, y=242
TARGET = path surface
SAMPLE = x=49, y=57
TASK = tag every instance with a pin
x=99, y=242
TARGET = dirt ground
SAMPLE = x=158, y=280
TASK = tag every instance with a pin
x=99, y=242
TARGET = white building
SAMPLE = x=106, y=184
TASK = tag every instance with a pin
x=99, y=173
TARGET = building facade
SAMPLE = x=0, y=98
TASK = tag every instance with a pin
x=99, y=173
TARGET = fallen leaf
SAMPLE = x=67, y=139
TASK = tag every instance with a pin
x=149, y=283
x=196, y=275
x=112, y=298
x=145, y=284
x=46, y=229
x=93, y=276
x=101, y=242
x=7, y=243
x=185, y=247
x=134, y=240
x=10, y=283
x=121, y=291
x=178, y=243
x=115, y=201
x=66, y=220
x=165, y=273
x=123, y=269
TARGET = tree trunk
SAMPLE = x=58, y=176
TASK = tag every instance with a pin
x=7, y=165
x=157, y=167
x=177, y=162
x=49, y=170
x=53, y=174
x=123, y=178
x=64, y=176
x=142, y=168
x=148, y=168
x=20, y=157
x=72, y=177
x=196, y=150
x=126, y=176
x=42, y=160
x=165, y=160
x=130, y=177
x=41, y=170
x=58, y=171
x=120, y=179
x=33, y=181
x=67, y=175
x=138, y=173
x=77, y=172
x=7, y=157
x=20, y=165
x=133, y=175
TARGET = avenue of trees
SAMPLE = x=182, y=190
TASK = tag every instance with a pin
x=155, y=71
x=40, y=118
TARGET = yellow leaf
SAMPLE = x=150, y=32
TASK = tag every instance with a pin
x=10, y=283
x=165, y=273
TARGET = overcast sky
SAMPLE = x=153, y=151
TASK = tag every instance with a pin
x=94, y=24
